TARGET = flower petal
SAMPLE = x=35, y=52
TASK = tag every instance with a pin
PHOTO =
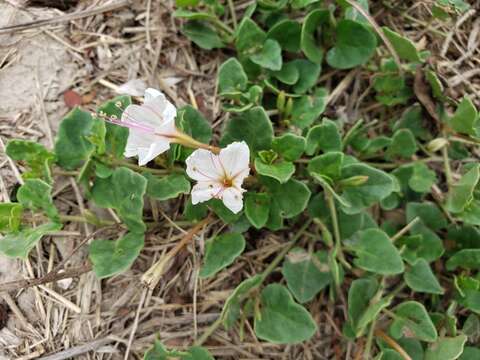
x=158, y=103
x=204, y=191
x=145, y=146
x=151, y=93
x=233, y=199
x=235, y=159
x=203, y=165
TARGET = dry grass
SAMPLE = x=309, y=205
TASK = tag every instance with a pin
x=95, y=53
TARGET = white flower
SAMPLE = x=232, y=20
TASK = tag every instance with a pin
x=152, y=126
x=220, y=176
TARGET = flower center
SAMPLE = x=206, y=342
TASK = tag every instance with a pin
x=227, y=182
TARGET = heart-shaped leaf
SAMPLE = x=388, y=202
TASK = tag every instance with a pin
x=10, y=217
x=360, y=293
x=220, y=252
x=466, y=259
x=420, y=278
x=269, y=56
x=287, y=33
x=465, y=118
x=308, y=41
x=231, y=77
x=308, y=75
x=202, y=34
x=35, y=155
x=355, y=44
x=113, y=257
x=257, y=208
x=446, y=348
x=279, y=170
x=376, y=253
x=325, y=137
x=289, y=146
x=250, y=37
x=412, y=319
x=461, y=193
x=403, y=144
x=36, y=194
x=168, y=187
x=308, y=108
x=404, y=47
x=281, y=320
x=291, y=197
x=328, y=165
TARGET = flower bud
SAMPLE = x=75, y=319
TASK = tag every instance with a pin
x=281, y=101
x=436, y=144
x=289, y=107
x=354, y=180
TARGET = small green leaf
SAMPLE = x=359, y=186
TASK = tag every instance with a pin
x=270, y=56
x=403, y=144
x=168, y=187
x=429, y=214
x=253, y=126
x=36, y=194
x=35, y=155
x=355, y=44
x=113, y=257
x=299, y=4
x=202, y=34
x=328, y=165
x=376, y=253
x=231, y=309
x=231, y=77
x=435, y=84
x=289, y=146
x=224, y=213
x=288, y=74
x=360, y=293
x=19, y=244
x=446, y=348
x=193, y=123
x=192, y=15
x=466, y=259
x=378, y=186
x=308, y=108
x=10, y=217
x=412, y=318
x=308, y=42
x=308, y=75
x=404, y=47
x=281, y=320
x=250, y=37
x=280, y=170
x=306, y=274
x=461, y=193
x=123, y=191
x=291, y=197
x=257, y=208
x=465, y=118
x=420, y=278
x=287, y=33
x=220, y=252
x=470, y=353
x=325, y=137
x=73, y=146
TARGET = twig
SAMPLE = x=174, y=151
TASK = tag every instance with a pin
x=393, y=344
x=78, y=350
x=68, y=17
x=405, y=229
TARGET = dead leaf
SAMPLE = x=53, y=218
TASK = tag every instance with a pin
x=422, y=92
x=72, y=98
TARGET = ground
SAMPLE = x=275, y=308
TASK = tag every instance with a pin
x=139, y=43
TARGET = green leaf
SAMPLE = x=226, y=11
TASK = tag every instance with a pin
x=289, y=146
x=417, y=177
x=231, y=309
x=192, y=15
x=308, y=75
x=270, y=56
x=250, y=37
x=299, y=4
x=355, y=44
x=404, y=47
x=167, y=187
x=324, y=137
x=35, y=155
x=446, y=348
x=378, y=186
x=306, y=274
x=231, y=77
x=308, y=108
x=465, y=118
x=360, y=293
x=10, y=217
x=280, y=170
x=36, y=194
x=412, y=318
x=466, y=259
x=159, y=352
x=202, y=34
x=74, y=146
x=420, y=278
x=308, y=42
x=123, y=191
x=253, y=126
x=291, y=197
x=461, y=193
x=288, y=74
x=403, y=144
x=223, y=212
x=470, y=353
x=113, y=257
x=193, y=123
x=220, y=252
x=287, y=33
x=429, y=214
x=425, y=244
x=116, y=136
x=281, y=320
x=328, y=165
x=435, y=84
x=257, y=208
x=376, y=253
x=18, y=244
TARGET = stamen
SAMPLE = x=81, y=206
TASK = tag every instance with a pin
x=127, y=124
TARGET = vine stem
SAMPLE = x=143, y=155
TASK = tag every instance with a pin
x=271, y=267
x=336, y=228
x=393, y=344
x=446, y=164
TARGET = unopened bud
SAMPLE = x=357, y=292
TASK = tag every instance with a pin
x=354, y=180
x=281, y=101
x=436, y=144
x=289, y=107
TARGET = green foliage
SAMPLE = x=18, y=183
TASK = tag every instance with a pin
x=220, y=252
x=446, y=348
x=324, y=137
x=308, y=108
x=281, y=320
x=420, y=278
x=36, y=194
x=465, y=119
x=34, y=155
x=461, y=193
x=168, y=187
x=231, y=77
x=279, y=170
x=308, y=42
x=289, y=146
x=123, y=191
x=412, y=317
x=112, y=257
x=18, y=244
x=257, y=208
x=10, y=217
x=403, y=46
x=202, y=34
